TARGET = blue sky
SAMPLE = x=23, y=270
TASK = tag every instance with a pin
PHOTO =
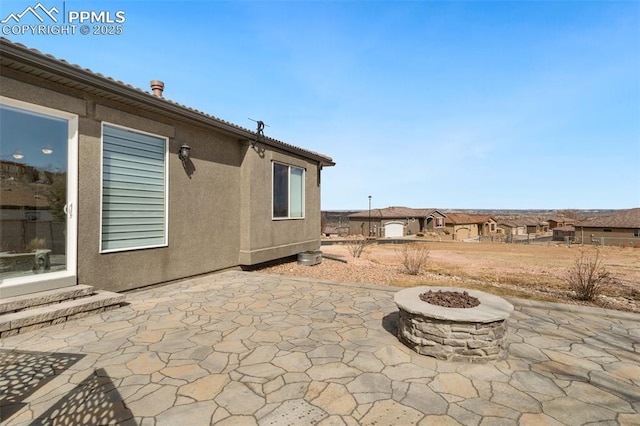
x=421, y=104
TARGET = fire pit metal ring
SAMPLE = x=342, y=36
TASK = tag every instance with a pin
x=475, y=334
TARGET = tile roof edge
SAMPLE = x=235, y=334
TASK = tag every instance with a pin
x=36, y=58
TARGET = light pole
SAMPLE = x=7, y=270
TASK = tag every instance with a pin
x=369, y=215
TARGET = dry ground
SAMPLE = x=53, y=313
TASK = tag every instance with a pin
x=526, y=271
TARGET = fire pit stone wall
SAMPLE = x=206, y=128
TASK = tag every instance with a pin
x=455, y=334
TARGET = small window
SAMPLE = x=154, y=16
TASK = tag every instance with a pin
x=134, y=189
x=636, y=233
x=607, y=230
x=288, y=191
x=439, y=222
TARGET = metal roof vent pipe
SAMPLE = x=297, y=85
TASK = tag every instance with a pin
x=157, y=87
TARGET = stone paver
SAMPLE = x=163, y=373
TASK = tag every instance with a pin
x=242, y=348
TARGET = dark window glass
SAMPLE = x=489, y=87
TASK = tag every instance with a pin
x=280, y=190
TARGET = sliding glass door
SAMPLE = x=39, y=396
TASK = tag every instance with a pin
x=38, y=181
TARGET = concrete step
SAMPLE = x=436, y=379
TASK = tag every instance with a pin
x=28, y=301
x=30, y=319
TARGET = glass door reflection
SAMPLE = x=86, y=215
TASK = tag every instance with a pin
x=33, y=197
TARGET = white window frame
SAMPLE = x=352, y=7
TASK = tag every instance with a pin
x=166, y=188
x=52, y=280
x=304, y=193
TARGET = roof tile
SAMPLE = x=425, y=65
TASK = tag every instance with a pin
x=395, y=212
x=461, y=218
x=623, y=219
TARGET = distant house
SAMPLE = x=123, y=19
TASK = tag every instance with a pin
x=335, y=222
x=395, y=222
x=555, y=222
x=512, y=227
x=522, y=226
x=535, y=226
x=464, y=226
x=622, y=228
x=560, y=233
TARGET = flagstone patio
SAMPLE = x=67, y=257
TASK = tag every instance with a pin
x=249, y=348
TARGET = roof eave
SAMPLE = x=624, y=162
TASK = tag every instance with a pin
x=35, y=59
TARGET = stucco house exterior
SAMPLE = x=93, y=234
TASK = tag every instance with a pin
x=395, y=221
x=561, y=233
x=522, y=226
x=116, y=187
x=557, y=221
x=336, y=222
x=512, y=227
x=619, y=229
x=464, y=226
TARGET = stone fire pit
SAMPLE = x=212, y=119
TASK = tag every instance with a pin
x=475, y=334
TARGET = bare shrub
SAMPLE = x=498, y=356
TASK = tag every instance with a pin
x=589, y=277
x=413, y=257
x=357, y=245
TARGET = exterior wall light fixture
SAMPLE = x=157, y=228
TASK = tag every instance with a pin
x=183, y=154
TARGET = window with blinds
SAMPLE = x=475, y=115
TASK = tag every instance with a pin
x=134, y=189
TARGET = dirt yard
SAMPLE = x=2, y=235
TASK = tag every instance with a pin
x=526, y=271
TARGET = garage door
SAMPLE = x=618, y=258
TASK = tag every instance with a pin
x=393, y=229
x=462, y=234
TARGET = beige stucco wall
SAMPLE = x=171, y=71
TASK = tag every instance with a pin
x=488, y=228
x=462, y=231
x=360, y=226
x=219, y=216
x=507, y=230
x=203, y=224
x=263, y=238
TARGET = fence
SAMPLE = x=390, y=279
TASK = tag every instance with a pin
x=17, y=234
x=515, y=239
x=608, y=241
x=511, y=239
